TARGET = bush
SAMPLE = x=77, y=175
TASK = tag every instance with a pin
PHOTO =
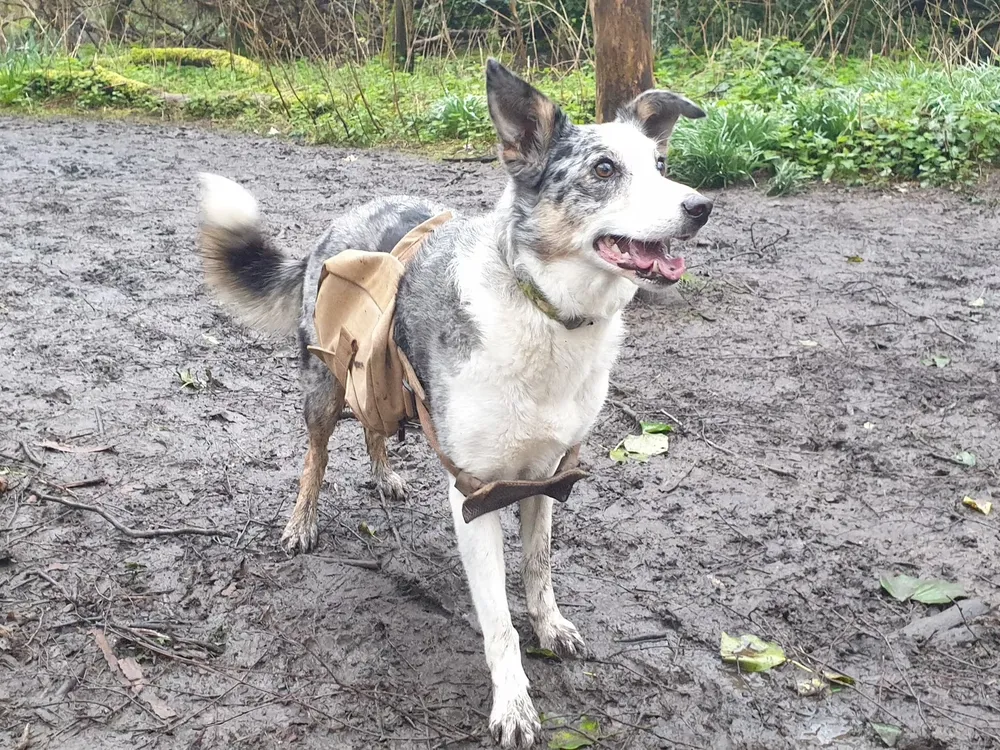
x=465, y=117
x=726, y=147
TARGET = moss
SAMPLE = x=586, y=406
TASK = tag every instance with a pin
x=203, y=58
x=91, y=87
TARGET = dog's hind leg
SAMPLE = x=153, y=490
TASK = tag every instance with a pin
x=513, y=719
x=324, y=401
x=387, y=482
x=554, y=631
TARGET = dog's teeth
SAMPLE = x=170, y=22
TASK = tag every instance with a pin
x=614, y=246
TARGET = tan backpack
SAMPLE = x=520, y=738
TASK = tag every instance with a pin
x=355, y=312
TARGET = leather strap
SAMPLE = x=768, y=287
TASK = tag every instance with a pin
x=486, y=497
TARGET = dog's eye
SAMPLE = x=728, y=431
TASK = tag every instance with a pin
x=604, y=169
x=661, y=166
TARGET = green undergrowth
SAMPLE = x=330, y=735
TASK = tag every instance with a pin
x=775, y=114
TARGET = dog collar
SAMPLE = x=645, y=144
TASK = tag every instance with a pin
x=539, y=300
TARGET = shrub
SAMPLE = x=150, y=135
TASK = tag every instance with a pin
x=466, y=117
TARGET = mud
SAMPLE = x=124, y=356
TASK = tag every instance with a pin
x=810, y=457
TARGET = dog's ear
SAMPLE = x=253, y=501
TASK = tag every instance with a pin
x=655, y=112
x=526, y=121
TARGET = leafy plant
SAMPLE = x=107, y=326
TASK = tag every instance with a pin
x=465, y=117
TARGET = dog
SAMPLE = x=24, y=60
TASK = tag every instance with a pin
x=511, y=320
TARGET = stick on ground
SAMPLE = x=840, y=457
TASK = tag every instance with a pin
x=133, y=533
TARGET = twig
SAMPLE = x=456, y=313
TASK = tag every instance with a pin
x=774, y=469
x=662, y=636
x=29, y=455
x=680, y=479
x=919, y=316
x=830, y=323
x=627, y=410
x=80, y=483
x=352, y=562
x=949, y=459
x=473, y=159
x=133, y=533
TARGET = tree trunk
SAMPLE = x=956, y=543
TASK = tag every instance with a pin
x=400, y=43
x=623, y=52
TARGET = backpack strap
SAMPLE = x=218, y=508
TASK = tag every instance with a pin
x=485, y=497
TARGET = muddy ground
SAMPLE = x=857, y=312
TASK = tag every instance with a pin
x=811, y=456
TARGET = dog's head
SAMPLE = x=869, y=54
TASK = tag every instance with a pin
x=596, y=193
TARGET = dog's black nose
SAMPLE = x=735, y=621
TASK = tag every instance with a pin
x=698, y=207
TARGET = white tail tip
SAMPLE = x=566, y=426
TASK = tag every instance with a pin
x=226, y=205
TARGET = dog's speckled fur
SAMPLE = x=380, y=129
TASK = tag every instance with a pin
x=510, y=388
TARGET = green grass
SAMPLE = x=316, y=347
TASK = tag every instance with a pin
x=776, y=115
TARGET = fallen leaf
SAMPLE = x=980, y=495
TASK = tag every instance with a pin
x=542, y=653
x=133, y=673
x=647, y=444
x=590, y=726
x=189, y=380
x=869, y=425
x=366, y=529
x=652, y=442
x=855, y=259
x=4, y=484
x=930, y=591
x=936, y=360
x=568, y=739
x=53, y=446
x=210, y=339
x=750, y=653
x=161, y=709
x=808, y=688
x=25, y=742
x=978, y=302
x=808, y=343
x=838, y=679
x=56, y=566
x=983, y=506
x=888, y=733
x=965, y=458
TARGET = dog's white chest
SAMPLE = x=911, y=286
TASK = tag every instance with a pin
x=530, y=392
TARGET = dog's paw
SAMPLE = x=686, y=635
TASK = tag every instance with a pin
x=300, y=535
x=392, y=486
x=514, y=721
x=561, y=636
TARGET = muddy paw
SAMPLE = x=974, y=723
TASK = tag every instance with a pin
x=300, y=535
x=514, y=722
x=562, y=637
x=392, y=486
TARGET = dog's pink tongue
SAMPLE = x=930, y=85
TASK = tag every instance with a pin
x=649, y=256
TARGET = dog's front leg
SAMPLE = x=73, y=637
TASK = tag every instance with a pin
x=554, y=631
x=513, y=720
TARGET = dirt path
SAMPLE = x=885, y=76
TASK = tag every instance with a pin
x=796, y=376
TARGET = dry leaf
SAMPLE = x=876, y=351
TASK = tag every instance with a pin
x=133, y=673
x=53, y=446
x=161, y=709
x=25, y=742
x=983, y=506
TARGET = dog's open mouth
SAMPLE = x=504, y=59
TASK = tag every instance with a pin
x=647, y=259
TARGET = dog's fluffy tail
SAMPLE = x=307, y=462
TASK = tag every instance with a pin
x=242, y=266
